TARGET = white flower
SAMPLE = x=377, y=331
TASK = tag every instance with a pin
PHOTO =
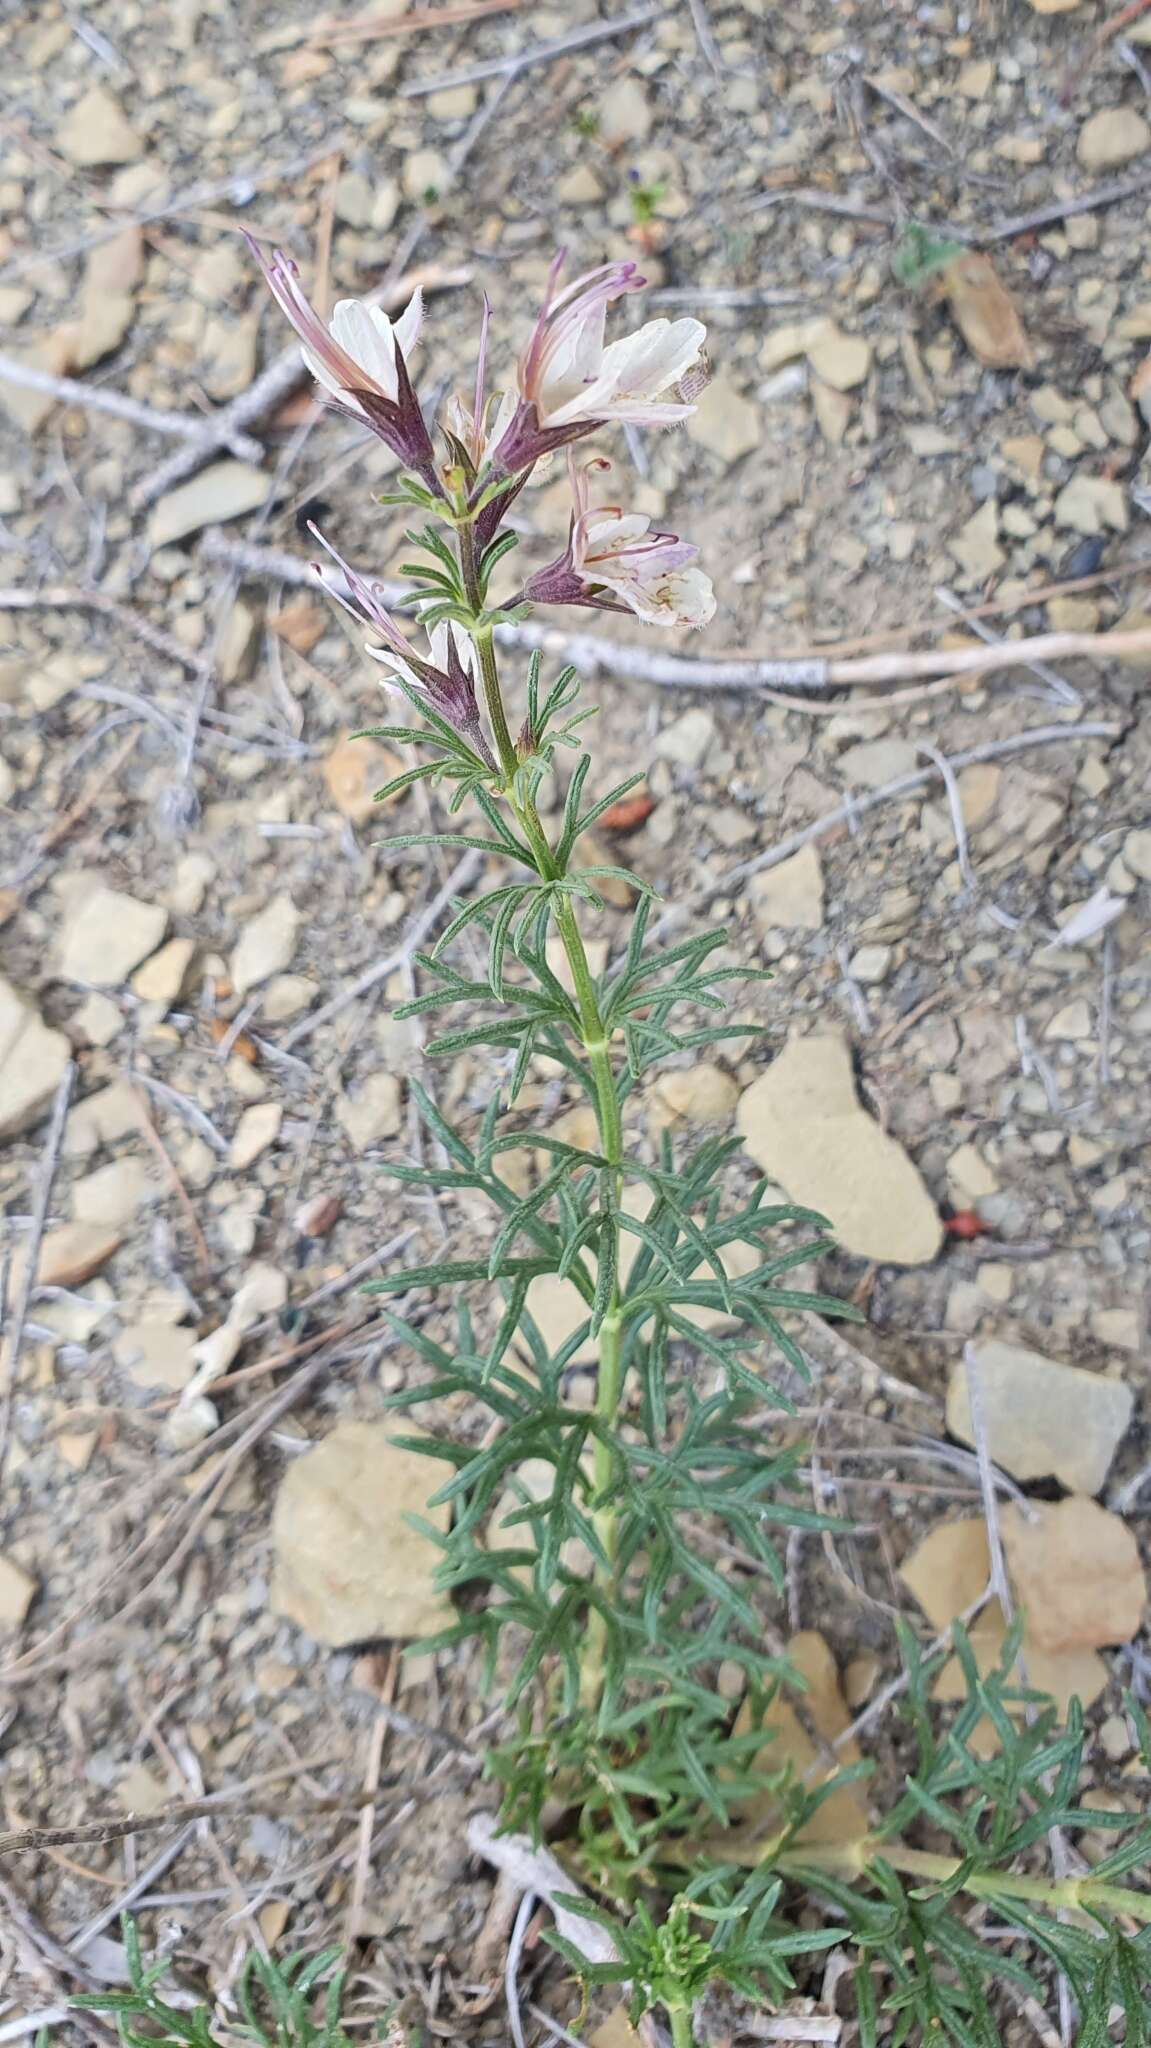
x=653, y=574
x=568, y=374
x=365, y=337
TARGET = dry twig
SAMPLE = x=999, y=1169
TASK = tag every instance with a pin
x=49, y=1161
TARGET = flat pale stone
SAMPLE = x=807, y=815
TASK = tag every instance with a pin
x=1043, y=1419
x=33, y=1058
x=111, y=1196
x=96, y=131
x=266, y=945
x=161, y=979
x=18, y=1589
x=789, y=896
x=156, y=1354
x=225, y=490
x=804, y=1125
x=108, y=936
x=842, y=360
x=258, y=1128
x=1115, y=135
x=372, y=1112
x=69, y=1256
x=724, y=422
x=1077, y=1573
x=349, y=1567
x=697, y=1095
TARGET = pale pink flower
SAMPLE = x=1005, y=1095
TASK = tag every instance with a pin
x=615, y=561
x=569, y=381
x=359, y=360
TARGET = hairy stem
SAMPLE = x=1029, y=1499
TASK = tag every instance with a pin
x=594, y=1039
x=851, y=1860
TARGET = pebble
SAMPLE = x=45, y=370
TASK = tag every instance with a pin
x=353, y=772
x=156, y=1354
x=724, y=422
x=69, y=1255
x=687, y=739
x=695, y=1095
x=33, y=1058
x=18, y=1589
x=107, y=936
x=258, y=1128
x=789, y=896
x=970, y=1174
x=1077, y=1572
x=1091, y=504
x=976, y=546
x=349, y=1567
x=96, y=131
x=842, y=360
x=267, y=945
x=625, y=113
x=874, y=762
x=803, y=1124
x=1073, y=1021
x=111, y=1195
x=372, y=1113
x=424, y=175
x=162, y=978
x=871, y=964
x=1113, y=136
x=225, y=490
x=1137, y=853
x=1043, y=1419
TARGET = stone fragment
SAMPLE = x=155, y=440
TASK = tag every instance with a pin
x=1077, y=1574
x=702, y=1094
x=1092, y=504
x=842, y=360
x=976, y=546
x=686, y=740
x=18, y=1589
x=68, y=1256
x=1043, y=1419
x=1113, y=136
x=162, y=978
x=96, y=132
x=372, y=1112
x=108, y=935
x=625, y=113
x=724, y=422
x=353, y=772
x=790, y=896
x=110, y=1197
x=225, y=490
x=33, y=1058
x=842, y=1817
x=156, y=1354
x=349, y=1566
x=803, y=1124
x=266, y=945
x=258, y=1128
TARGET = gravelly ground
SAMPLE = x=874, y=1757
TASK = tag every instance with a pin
x=765, y=191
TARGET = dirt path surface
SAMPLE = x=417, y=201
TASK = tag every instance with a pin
x=919, y=240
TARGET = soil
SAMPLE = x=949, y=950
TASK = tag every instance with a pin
x=764, y=165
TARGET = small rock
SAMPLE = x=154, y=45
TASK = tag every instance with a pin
x=97, y=1021
x=96, y=131
x=108, y=936
x=156, y=1354
x=789, y=896
x=372, y=1113
x=33, y=1058
x=1077, y=1572
x=225, y=490
x=349, y=1566
x=842, y=360
x=625, y=113
x=579, y=187
x=1089, y=504
x=353, y=772
x=111, y=1196
x=1043, y=1419
x=832, y=411
x=1112, y=136
x=874, y=762
x=696, y=1095
x=725, y=422
x=161, y=979
x=425, y=175
x=29, y=409
x=194, y=871
x=267, y=945
x=1137, y=854
x=970, y=1174
x=69, y=1256
x=18, y=1589
x=976, y=546
x=871, y=964
x=258, y=1128
x=1073, y=1021
x=687, y=739
x=803, y=1124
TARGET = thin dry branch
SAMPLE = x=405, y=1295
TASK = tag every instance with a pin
x=185, y=426
x=536, y=53
x=49, y=1161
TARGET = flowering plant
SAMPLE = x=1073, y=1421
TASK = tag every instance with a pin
x=610, y=1594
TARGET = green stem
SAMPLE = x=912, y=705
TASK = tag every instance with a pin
x=594, y=1038
x=682, y=2034
x=851, y=1861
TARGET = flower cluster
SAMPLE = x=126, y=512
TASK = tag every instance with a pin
x=570, y=382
